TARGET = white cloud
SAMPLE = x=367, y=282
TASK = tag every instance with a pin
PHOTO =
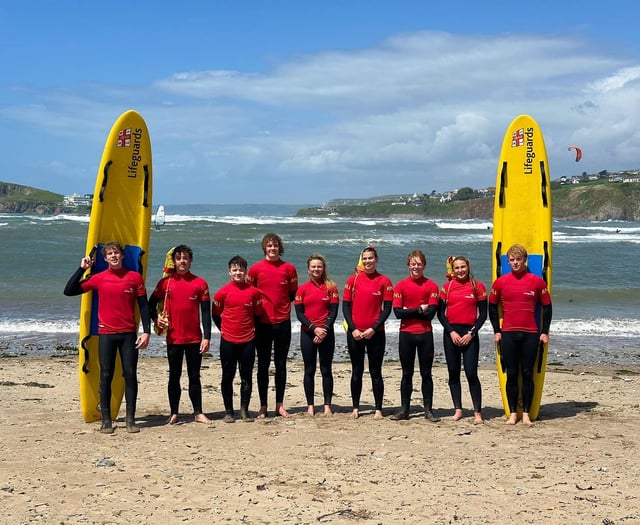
x=419, y=111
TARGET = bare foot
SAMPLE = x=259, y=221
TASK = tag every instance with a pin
x=327, y=411
x=173, y=419
x=201, y=418
x=311, y=410
x=378, y=415
x=281, y=410
x=355, y=414
x=513, y=419
x=477, y=418
x=526, y=420
x=457, y=415
x=262, y=413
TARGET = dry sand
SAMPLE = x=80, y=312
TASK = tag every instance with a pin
x=578, y=464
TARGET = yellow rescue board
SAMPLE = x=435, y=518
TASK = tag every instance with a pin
x=121, y=211
x=522, y=214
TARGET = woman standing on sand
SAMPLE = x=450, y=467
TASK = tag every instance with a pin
x=316, y=305
x=366, y=305
x=462, y=310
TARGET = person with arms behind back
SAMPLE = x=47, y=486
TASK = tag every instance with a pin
x=186, y=305
x=366, y=305
x=277, y=280
x=462, y=311
x=316, y=305
x=519, y=292
x=119, y=290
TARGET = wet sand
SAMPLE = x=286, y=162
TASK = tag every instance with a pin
x=578, y=464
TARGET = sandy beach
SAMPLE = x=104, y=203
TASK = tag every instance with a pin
x=578, y=464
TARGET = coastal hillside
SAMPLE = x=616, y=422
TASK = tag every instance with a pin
x=593, y=201
x=15, y=198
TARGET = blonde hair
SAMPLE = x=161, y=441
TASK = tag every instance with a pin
x=325, y=275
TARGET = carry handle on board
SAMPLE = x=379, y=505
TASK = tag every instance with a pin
x=503, y=183
x=498, y=259
x=540, y=356
x=83, y=344
x=105, y=178
x=545, y=201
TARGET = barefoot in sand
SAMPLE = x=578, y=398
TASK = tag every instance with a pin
x=355, y=414
x=201, y=418
x=477, y=418
x=513, y=419
x=327, y=411
x=311, y=411
x=262, y=413
x=378, y=415
x=281, y=411
x=457, y=415
x=526, y=420
x=173, y=419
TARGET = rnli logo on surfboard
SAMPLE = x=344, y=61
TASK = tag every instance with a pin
x=124, y=138
x=517, y=139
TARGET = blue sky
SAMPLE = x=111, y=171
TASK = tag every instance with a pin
x=305, y=101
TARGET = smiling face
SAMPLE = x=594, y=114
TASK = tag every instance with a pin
x=416, y=267
x=113, y=258
x=237, y=273
x=369, y=260
x=182, y=262
x=316, y=269
x=272, y=251
x=460, y=269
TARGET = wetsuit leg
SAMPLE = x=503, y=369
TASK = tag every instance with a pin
x=356, y=355
x=529, y=353
x=228, y=362
x=129, y=356
x=281, y=344
x=453, y=356
x=424, y=343
x=375, y=353
x=174, y=358
x=194, y=362
x=326, y=350
x=264, y=340
x=107, y=349
x=520, y=356
x=407, y=354
x=309, y=356
x=470, y=356
x=246, y=355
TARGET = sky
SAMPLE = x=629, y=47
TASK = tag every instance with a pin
x=300, y=102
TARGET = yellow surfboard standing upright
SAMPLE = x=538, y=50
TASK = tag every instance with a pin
x=522, y=214
x=121, y=211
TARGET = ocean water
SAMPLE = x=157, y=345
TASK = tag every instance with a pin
x=596, y=288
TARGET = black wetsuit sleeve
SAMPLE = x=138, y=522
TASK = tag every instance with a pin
x=429, y=313
x=143, y=304
x=306, y=322
x=482, y=317
x=73, y=284
x=153, y=307
x=205, y=310
x=406, y=313
x=446, y=325
x=333, y=314
x=217, y=319
x=346, y=313
x=384, y=315
x=494, y=318
x=546, y=318
x=292, y=296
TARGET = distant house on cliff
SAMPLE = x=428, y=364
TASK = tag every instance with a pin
x=75, y=200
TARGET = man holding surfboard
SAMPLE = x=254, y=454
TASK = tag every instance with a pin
x=119, y=290
x=520, y=293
